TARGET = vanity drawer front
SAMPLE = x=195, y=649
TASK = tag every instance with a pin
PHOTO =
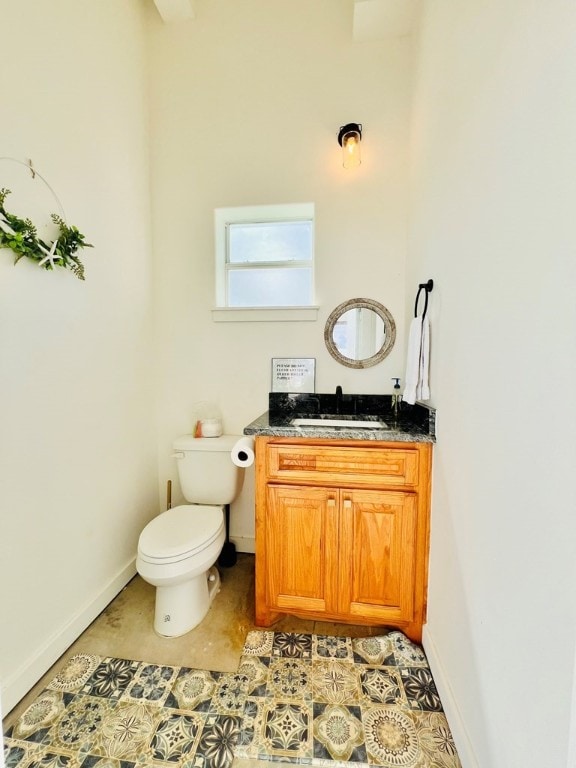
x=339, y=466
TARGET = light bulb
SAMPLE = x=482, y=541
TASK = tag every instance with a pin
x=349, y=139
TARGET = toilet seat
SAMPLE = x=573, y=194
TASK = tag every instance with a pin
x=179, y=533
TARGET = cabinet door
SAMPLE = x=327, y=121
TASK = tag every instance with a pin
x=377, y=549
x=301, y=527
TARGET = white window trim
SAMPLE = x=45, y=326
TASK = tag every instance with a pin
x=253, y=213
x=264, y=314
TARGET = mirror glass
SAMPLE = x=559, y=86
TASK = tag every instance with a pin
x=360, y=333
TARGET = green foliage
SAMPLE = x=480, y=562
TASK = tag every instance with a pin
x=21, y=237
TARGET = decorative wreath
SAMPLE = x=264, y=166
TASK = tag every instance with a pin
x=21, y=237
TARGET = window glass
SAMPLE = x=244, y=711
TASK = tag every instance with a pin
x=269, y=288
x=265, y=256
x=270, y=241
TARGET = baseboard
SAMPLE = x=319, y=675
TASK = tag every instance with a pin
x=455, y=721
x=244, y=543
x=24, y=678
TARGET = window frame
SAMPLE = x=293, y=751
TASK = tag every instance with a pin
x=259, y=214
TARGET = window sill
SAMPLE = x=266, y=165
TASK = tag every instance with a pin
x=265, y=314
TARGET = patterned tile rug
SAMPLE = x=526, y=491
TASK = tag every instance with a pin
x=313, y=699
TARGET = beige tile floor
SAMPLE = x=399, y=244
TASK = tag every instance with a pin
x=124, y=630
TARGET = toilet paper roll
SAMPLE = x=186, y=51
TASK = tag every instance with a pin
x=243, y=452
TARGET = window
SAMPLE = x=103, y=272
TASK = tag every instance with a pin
x=265, y=256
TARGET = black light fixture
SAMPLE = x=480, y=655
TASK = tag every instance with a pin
x=349, y=138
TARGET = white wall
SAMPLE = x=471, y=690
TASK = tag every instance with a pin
x=247, y=101
x=493, y=191
x=492, y=194
x=78, y=447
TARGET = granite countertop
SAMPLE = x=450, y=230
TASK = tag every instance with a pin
x=412, y=424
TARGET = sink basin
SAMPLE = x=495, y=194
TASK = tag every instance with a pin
x=350, y=423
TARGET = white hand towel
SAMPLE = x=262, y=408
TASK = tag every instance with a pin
x=416, y=386
x=423, y=389
x=413, y=361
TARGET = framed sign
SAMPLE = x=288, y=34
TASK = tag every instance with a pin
x=293, y=374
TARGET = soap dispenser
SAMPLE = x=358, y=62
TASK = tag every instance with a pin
x=396, y=397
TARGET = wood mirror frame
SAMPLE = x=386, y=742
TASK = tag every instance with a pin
x=389, y=333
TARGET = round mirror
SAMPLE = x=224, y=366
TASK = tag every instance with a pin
x=360, y=333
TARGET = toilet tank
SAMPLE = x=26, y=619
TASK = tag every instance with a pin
x=207, y=474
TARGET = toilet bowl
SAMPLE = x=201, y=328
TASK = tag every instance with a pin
x=177, y=550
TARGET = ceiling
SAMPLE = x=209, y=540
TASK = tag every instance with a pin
x=383, y=19
x=372, y=19
x=175, y=10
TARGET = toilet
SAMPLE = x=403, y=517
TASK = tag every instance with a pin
x=178, y=549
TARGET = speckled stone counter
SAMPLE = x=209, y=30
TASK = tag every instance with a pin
x=412, y=424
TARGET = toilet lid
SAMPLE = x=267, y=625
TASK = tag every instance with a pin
x=180, y=532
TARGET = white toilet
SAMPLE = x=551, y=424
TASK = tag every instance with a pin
x=177, y=550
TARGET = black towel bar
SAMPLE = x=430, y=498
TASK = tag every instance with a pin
x=427, y=288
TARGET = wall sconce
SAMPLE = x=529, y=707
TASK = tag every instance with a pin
x=349, y=138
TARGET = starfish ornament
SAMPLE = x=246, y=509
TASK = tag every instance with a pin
x=50, y=255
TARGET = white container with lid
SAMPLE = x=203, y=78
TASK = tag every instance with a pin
x=211, y=427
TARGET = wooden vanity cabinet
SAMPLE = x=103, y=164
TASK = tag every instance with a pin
x=342, y=531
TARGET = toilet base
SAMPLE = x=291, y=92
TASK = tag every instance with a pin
x=181, y=607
